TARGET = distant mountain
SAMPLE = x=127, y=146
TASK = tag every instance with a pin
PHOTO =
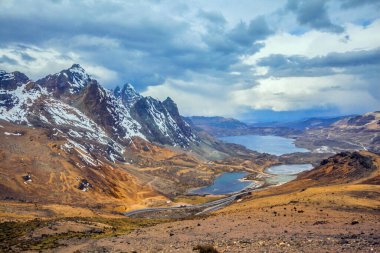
x=302, y=124
x=369, y=121
x=360, y=132
x=216, y=125
x=220, y=126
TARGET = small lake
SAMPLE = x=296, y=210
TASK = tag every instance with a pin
x=226, y=183
x=270, y=144
x=285, y=173
x=230, y=182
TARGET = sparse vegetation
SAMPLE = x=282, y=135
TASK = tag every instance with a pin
x=205, y=249
x=17, y=236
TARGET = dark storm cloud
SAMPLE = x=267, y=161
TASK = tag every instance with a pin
x=366, y=61
x=313, y=13
x=6, y=59
x=146, y=46
x=244, y=34
x=215, y=18
x=357, y=3
x=27, y=57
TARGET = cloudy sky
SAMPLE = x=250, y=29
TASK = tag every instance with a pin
x=250, y=59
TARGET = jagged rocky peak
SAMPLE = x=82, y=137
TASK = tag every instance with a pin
x=68, y=81
x=10, y=81
x=171, y=106
x=128, y=94
x=109, y=112
x=78, y=75
x=162, y=122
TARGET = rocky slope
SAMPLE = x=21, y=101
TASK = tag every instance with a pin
x=352, y=133
x=44, y=166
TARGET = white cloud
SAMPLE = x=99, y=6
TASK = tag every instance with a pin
x=316, y=43
x=192, y=101
x=94, y=41
x=38, y=62
x=348, y=93
x=100, y=73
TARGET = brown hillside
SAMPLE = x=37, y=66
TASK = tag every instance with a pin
x=345, y=167
x=59, y=176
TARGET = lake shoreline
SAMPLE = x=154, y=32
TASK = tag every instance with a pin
x=261, y=179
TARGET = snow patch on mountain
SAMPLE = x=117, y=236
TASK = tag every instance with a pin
x=16, y=108
x=6, y=76
x=79, y=77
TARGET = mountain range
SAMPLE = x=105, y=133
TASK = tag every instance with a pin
x=74, y=105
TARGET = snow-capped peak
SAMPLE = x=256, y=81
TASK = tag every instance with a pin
x=71, y=80
x=77, y=76
x=129, y=87
x=128, y=94
x=76, y=66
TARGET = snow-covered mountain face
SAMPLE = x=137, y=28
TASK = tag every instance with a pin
x=127, y=94
x=76, y=108
x=162, y=122
x=67, y=82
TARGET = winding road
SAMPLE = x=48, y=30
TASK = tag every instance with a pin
x=204, y=208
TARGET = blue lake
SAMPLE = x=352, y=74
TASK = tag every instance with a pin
x=286, y=172
x=288, y=169
x=270, y=144
x=231, y=182
x=228, y=182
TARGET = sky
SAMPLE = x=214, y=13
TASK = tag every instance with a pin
x=272, y=60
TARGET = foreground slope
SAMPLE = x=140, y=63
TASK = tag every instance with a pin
x=341, y=215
